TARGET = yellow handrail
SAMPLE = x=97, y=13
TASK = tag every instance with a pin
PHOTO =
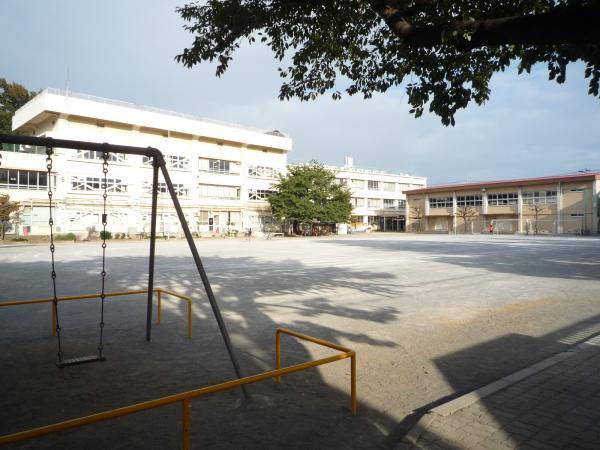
x=158, y=291
x=185, y=397
x=349, y=354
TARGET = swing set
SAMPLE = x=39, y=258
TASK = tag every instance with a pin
x=158, y=165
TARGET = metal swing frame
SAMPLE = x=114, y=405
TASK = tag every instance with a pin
x=158, y=164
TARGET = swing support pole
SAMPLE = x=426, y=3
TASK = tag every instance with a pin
x=152, y=248
x=207, y=287
x=158, y=163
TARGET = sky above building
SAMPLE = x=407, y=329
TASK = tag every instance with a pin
x=125, y=50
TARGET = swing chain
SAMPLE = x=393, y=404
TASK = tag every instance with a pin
x=49, y=153
x=103, y=273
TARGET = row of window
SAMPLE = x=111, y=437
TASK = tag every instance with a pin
x=32, y=149
x=89, y=184
x=263, y=172
x=388, y=203
x=259, y=194
x=173, y=161
x=180, y=189
x=23, y=179
x=373, y=185
x=95, y=155
x=501, y=199
x=210, y=165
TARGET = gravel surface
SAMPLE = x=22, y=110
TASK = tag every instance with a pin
x=430, y=317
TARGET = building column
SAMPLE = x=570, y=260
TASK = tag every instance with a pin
x=595, y=206
x=426, y=212
x=406, y=214
x=559, y=227
x=454, y=212
x=520, y=210
x=484, y=206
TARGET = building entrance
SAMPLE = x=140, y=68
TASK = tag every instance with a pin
x=392, y=223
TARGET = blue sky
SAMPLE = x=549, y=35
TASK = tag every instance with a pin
x=125, y=50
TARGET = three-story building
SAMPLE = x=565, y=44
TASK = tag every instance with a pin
x=221, y=172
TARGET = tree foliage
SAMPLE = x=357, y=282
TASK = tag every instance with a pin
x=310, y=194
x=7, y=209
x=12, y=97
x=444, y=53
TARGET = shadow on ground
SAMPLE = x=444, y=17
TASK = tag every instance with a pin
x=303, y=411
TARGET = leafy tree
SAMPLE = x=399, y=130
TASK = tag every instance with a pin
x=310, y=194
x=7, y=208
x=465, y=213
x=448, y=50
x=12, y=97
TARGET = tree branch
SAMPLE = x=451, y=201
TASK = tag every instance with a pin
x=561, y=26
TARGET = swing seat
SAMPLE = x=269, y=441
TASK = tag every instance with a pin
x=79, y=360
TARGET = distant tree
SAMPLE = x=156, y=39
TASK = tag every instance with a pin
x=445, y=52
x=310, y=194
x=12, y=97
x=7, y=208
x=416, y=213
x=465, y=212
x=536, y=209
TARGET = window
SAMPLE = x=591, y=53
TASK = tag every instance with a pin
x=577, y=215
x=357, y=202
x=342, y=181
x=389, y=203
x=23, y=179
x=177, y=162
x=263, y=172
x=577, y=190
x=202, y=217
x=510, y=198
x=33, y=149
x=180, y=189
x=468, y=200
x=221, y=166
x=539, y=197
x=259, y=194
x=373, y=185
x=390, y=187
x=358, y=184
x=95, y=184
x=404, y=187
x=95, y=155
x=173, y=161
x=374, y=203
x=401, y=204
x=442, y=202
x=219, y=191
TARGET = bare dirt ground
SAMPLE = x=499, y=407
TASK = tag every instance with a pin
x=430, y=317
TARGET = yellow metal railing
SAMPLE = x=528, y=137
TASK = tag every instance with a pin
x=159, y=293
x=185, y=397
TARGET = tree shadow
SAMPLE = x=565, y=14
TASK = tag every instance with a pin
x=307, y=409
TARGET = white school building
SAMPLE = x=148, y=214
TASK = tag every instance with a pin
x=378, y=197
x=221, y=171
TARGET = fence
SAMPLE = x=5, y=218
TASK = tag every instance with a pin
x=158, y=291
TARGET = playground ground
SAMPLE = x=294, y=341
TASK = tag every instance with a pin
x=430, y=317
